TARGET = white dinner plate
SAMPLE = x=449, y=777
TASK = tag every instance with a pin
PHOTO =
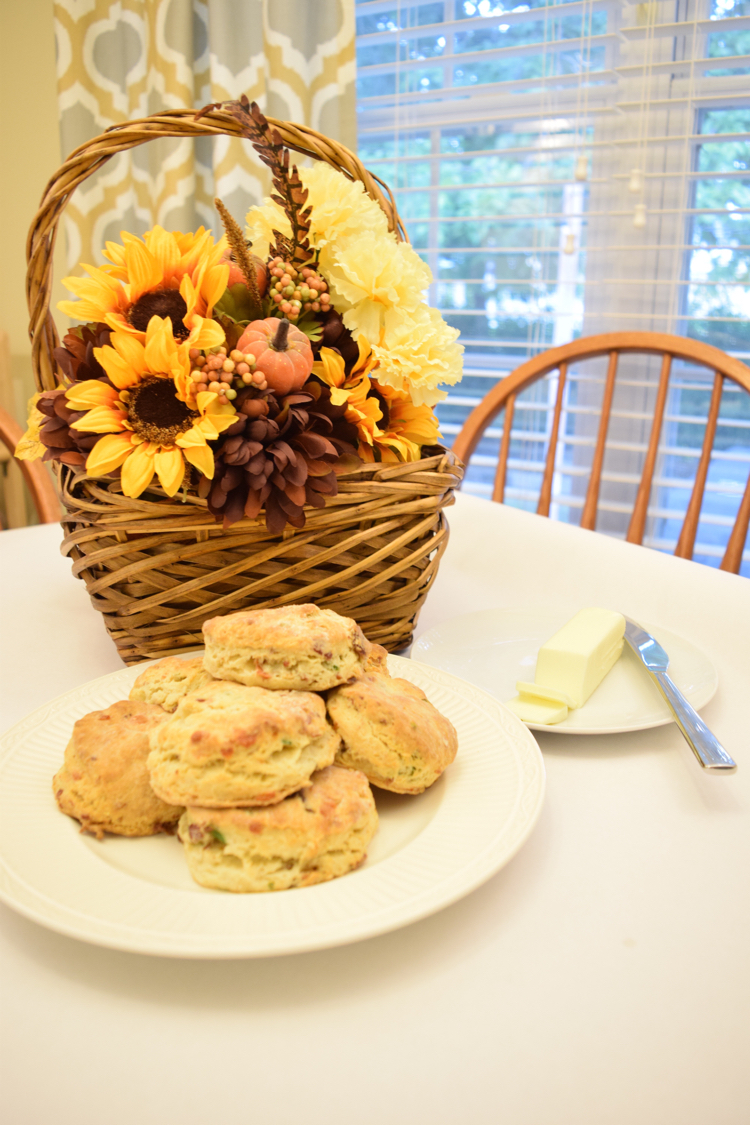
x=137, y=895
x=495, y=648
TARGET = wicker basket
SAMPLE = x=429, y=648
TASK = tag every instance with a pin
x=158, y=568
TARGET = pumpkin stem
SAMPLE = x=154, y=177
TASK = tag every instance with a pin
x=279, y=342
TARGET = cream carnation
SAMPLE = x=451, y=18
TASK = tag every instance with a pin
x=341, y=212
x=421, y=353
x=376, y=283
x=373, y=277
x=262, y=222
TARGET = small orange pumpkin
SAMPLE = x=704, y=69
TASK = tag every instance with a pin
x=282, y=352
x=237, y=277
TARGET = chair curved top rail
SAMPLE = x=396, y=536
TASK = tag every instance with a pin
x=590, y=347
x=36, y=476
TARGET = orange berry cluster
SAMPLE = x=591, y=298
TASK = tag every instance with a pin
x=296, y=291
x=216, y=371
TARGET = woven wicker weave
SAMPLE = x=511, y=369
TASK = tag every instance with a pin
x=157, y=568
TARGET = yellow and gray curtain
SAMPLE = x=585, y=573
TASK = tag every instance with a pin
x=124, y=59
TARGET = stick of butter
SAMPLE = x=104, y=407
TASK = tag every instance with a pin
x=575, y=661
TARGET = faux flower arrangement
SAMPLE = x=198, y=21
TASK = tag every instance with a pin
x=251, y=371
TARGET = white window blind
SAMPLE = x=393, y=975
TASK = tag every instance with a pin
x=568, y=169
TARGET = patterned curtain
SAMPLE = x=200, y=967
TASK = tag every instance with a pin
x=124, y=59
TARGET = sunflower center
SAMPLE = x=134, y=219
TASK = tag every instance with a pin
x=384, y=422
x=155, y=412
x=164, y=303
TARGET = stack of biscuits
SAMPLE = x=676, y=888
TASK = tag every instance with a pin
x=261, y=751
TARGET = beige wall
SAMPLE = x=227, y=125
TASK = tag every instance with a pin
x=30, y=145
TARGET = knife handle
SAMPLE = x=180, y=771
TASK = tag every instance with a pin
x=706, y=747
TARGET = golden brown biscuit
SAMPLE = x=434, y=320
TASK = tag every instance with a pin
x=104, y=782
x=234, y=745
x=391, y=732
x=294, y=647
x=377, y=661
x=167, y=681
x=319, y=833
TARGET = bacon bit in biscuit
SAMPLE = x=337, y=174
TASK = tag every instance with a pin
x=195, y=832
x=256, y=826
x=227, y=752
x=196, y=736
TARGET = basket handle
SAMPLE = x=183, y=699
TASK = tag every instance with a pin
x=87, y=158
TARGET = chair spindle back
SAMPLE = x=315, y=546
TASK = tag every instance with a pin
x=505, y=394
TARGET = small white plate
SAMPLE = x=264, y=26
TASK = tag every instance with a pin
x=495, y=648
x=137, y=895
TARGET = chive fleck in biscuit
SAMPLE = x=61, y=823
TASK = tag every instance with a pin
x=391, y=732
x=319, y=833
x=295, y=647
x=229, y=744
x=167, y=681
x=104, y=782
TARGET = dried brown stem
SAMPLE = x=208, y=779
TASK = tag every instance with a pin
x=290, y=193
x=240, y=252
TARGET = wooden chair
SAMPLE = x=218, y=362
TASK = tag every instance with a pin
x=504, y=395
x=34, y=473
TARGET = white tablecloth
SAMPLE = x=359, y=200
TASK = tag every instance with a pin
x=602, y=978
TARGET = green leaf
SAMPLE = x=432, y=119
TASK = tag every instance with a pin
x=236, y=303
x=217, y=835
x=310, y=325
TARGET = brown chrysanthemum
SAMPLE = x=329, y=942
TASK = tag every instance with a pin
x=75, y=356
x=52, y=429
x=64, y=444
x=337, y=336
x=281, y=460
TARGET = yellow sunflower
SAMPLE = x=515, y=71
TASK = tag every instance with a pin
x=388, y=423
x=150, y=424
x=362, y=408
x=406, y=427
x=167, y=274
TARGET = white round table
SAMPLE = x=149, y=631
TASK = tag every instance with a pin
x=602, y=977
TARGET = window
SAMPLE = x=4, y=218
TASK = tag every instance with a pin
x=566, y=169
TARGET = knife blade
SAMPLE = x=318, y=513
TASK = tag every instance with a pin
x=706, y=747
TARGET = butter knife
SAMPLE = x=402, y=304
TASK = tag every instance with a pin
x=706, y=747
